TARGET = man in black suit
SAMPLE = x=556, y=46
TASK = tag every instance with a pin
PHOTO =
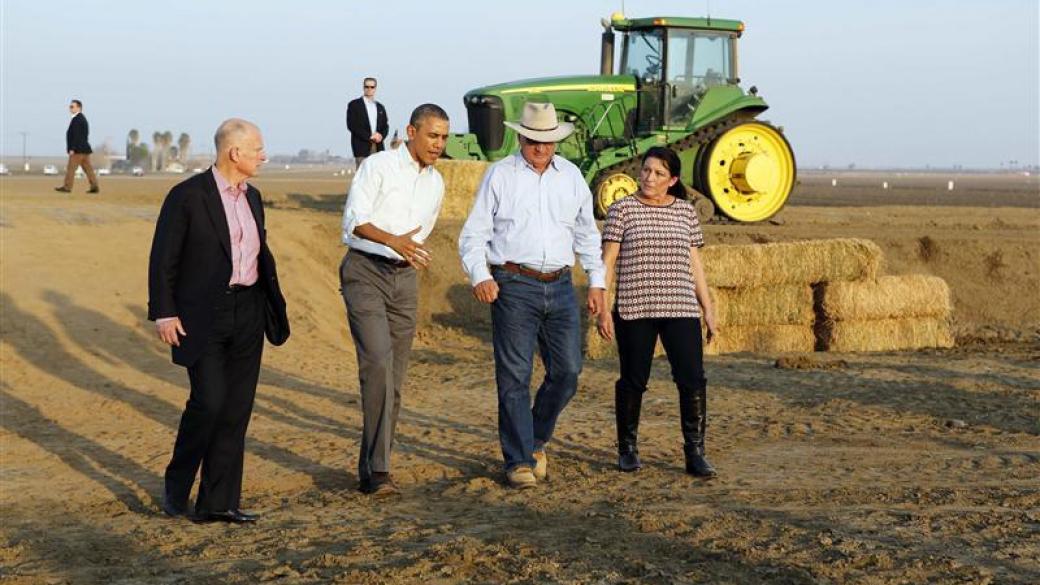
x=367, y=123
x=78, y=147
x=213, y=292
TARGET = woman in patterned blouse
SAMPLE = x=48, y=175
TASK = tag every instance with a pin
x=650, y=242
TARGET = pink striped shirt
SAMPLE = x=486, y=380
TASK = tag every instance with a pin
x=245, y=238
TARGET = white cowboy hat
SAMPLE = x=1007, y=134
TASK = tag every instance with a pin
x=539, y=123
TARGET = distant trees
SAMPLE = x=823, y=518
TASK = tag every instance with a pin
x=183, y=147
x=162, y=152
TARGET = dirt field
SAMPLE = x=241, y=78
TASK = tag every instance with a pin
x=914, y=467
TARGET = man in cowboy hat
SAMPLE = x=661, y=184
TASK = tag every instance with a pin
x=532, y=213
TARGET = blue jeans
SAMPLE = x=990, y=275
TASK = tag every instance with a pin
x=529, y=313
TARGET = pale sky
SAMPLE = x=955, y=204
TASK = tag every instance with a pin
x=879, y=83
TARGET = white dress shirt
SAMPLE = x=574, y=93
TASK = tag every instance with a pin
x=537, y=220
x=370, y=108
x=391, y=192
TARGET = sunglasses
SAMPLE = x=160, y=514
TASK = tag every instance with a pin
x=370, y=87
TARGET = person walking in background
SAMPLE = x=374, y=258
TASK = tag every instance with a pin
x=532, y=213
x=77, y=145
x=391, y=209
x=650, y=240
x=213, y=293
x=367, y=123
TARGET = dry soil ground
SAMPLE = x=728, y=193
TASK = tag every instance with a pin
x=911, y=467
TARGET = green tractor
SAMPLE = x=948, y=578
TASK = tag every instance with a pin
x=677, y=86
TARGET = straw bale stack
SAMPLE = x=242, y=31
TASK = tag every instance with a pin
x=461, y=181
x=808, y=262
x=893, y=312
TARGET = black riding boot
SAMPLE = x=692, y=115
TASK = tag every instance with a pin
x=693, y=413
x=627, y=405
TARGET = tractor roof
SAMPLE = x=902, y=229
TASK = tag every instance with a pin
x=623, y=24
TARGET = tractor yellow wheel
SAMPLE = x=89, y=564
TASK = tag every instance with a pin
x=749, y=171
x=611, y=188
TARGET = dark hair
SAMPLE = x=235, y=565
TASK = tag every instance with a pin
x=425, y=111
x=367, y=79
x=671, y=162
x=78, y=103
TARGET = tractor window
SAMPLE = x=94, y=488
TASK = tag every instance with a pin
x=642, y=56
x=698, y=58
x=697, y=61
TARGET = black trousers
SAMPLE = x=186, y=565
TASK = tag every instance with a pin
x=681, y=338
x=212, y=430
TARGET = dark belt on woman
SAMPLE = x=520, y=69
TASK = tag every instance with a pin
x=382, y=259
x=530, y=273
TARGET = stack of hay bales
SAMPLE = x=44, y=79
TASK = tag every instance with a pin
x=763, y=292
x=461, y=181
x=892, y=312
x=821, y=295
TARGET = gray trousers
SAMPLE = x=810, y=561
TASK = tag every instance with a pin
x=381, y=303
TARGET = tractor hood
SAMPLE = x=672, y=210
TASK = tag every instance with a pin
x=582, y=83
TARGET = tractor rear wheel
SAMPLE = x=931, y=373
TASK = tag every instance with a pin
x=609, y=189
x=748, y=170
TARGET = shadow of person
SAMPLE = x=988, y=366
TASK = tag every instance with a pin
x=122, y=477
x=40, y=346
x=95, y=331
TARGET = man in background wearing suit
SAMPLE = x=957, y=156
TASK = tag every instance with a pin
x=78, y=147
x=367, y=123
x=213, y=293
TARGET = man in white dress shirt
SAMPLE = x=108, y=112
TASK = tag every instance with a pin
x=390, y=211
x=532, y=213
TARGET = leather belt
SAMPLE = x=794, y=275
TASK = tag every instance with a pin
x=383, y=259
x=530, y=273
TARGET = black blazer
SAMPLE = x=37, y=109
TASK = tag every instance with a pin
x=190, y=265
x=360, y=130
x=76, y=135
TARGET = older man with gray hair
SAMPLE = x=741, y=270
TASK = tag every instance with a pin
x=213, y=293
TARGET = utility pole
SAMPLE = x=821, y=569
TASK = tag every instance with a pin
x=25, y=161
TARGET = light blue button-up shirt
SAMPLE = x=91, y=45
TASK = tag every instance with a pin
x=538, y=220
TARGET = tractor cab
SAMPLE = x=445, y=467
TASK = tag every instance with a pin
x=675, y=61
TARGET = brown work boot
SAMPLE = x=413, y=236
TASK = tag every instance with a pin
x=521, y=478
x=541, y=465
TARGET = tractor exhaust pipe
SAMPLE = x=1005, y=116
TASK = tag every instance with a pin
x=606, y=52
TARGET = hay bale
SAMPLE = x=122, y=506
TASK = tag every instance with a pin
x=813, y=261
x=762, y=339
x=774, y=305
x=888, y=297
x=461, y=181
x=885, y=334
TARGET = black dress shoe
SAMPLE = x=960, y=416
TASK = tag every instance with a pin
x=93, y=190
x=173, y=510
x=231, y=516
x=379, y=485
x=62, y=190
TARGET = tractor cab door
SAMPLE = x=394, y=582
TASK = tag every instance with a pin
x=643, y=57
x=697, y=60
